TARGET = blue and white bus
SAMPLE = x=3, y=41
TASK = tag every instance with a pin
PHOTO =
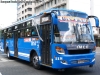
x=56, y=38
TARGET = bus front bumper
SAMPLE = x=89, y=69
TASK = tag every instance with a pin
x=67, y=61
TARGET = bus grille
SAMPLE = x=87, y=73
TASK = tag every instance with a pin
x=84, y=51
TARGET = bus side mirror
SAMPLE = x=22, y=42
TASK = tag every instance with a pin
x=96, y=19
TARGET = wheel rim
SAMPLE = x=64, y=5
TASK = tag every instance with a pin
x=35, y=60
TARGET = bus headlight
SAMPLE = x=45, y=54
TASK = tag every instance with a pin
x=60, y=50
x=94, y=49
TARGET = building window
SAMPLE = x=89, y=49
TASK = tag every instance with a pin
x=47, y=4
x=58, y=1
x=22, y=17
x=25, y=4
x=25, y=10
x=51, y=2
x=25, y=16
x=22, y=12
x=29, y=9
x=55, y=1
x=22, y=6
x=29, y=3
x=29, y=15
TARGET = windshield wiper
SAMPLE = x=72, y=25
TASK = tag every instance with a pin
x=74, y=32
x=87, y=28
x=77, y=33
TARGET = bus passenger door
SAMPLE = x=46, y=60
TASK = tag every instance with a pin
x=45, y=44
x=15, y=44
x=5, y=37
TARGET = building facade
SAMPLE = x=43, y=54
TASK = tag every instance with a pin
x=24, y=10
x=47, y=4
x=96, y=32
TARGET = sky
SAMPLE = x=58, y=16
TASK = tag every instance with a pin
x=84, y=5
x=8, y=11
x=8, y=14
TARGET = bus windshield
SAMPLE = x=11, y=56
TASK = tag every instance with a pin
x=73, y=28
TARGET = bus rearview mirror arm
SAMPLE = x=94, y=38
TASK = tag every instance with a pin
x=38, y=33
x=34, y=24
x=96, y=20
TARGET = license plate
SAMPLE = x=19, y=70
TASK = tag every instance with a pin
x=81, y=61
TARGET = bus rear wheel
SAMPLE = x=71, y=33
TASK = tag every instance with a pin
x=35, y=61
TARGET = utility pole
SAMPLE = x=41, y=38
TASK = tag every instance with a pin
x=92, y=12
x=91, y=7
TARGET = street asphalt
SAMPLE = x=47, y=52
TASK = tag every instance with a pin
x=16, y=66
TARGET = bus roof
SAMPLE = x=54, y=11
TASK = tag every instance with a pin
x=62, y=9
x=49, y=10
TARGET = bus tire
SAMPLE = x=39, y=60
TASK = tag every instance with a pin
x=35, y=61
x=8, y=55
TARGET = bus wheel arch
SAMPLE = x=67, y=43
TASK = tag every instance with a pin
x=34, y=59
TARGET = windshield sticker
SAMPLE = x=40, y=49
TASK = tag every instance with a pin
x=72, y=19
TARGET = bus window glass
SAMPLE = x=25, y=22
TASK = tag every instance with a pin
x=33, y=31
x=22, y=33
x=2, y=34
x=9, y=35
x=19, y=34
x=29, y=23
x=28, y=32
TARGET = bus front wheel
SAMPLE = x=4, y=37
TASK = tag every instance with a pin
x=35, y=61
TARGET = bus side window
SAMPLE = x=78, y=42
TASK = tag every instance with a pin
x=33, y=32
x=28, y=32
x=11, y=35
x=8, y=36
x=2, y=34
x=22, y=33
x=19, y=34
